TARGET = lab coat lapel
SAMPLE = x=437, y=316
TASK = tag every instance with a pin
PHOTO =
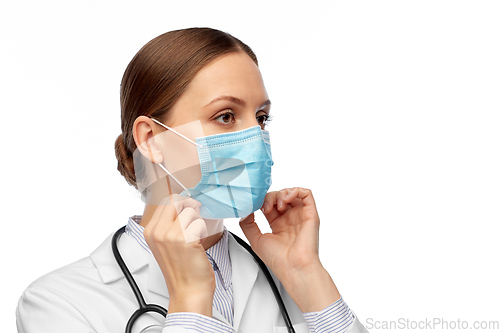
x=132, y=254
x=244, y=275
x=244, y=270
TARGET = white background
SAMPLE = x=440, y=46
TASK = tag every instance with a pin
x=388, y=110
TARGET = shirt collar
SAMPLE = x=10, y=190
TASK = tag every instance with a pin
x=218, y=253
x=135, y=230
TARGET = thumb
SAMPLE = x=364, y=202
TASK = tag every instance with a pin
x=250, y=229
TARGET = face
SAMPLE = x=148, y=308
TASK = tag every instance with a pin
x=226, y=96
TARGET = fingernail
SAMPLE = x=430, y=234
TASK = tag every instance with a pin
x=265, y=207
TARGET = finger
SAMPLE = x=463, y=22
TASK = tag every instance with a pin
x=303, y=194
x=281, y=203
x=162, y=213
x=292, y=197
x=274, y=204
x=269, y=207
x=271, y=200
x=196, y=231
x=250, y=229
x=166, y=210
x=181, y=202
x=187, y=216
x=165, y=214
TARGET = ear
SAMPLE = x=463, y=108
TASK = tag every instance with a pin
x=144, y=132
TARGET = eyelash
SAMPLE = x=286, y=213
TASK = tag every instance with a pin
x=266, y=120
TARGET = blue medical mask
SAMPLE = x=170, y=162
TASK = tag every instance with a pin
x=235, y=172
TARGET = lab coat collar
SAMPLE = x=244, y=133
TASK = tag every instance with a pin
x=134, y=256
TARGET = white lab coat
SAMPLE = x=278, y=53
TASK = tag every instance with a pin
x=91, y=295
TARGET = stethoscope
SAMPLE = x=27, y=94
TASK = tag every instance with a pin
x=144, y=307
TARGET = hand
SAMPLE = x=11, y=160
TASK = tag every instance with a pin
x=293, y=243
x=174, y=235
x=291, y=250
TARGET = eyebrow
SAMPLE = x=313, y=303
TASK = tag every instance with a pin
x=236, y=100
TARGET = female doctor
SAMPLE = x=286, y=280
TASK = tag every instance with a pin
x=193, y=116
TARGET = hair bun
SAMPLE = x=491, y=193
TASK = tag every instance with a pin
x=125, y=160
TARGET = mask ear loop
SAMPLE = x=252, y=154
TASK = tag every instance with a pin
x=182, y=136
x=179, y=134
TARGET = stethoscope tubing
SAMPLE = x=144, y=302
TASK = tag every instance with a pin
x=144, y=307
x=269, y=278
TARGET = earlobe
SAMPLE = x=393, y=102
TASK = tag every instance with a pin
x=145, y=140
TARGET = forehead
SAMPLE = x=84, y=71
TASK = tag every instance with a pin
x=233, y=74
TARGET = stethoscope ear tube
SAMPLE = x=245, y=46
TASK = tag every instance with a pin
x=269, y=278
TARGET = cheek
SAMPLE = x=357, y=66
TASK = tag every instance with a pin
x=182, y=161
x=189, y=176
x=181, y=155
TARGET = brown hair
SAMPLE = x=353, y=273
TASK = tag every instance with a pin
x=157, y=76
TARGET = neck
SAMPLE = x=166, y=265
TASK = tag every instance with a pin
x=215, y=228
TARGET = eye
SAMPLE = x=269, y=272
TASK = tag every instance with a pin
x=263, y=119
x=225, y=117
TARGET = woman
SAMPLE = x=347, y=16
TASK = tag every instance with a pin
x=194, y=110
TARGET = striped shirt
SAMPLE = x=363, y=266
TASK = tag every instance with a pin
x=336, y=317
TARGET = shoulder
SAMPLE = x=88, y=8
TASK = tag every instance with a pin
x=68, y=296
x=68, y=281
x=92, y=275
x=84, y=269
x=54, y=297
x=76, y=272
